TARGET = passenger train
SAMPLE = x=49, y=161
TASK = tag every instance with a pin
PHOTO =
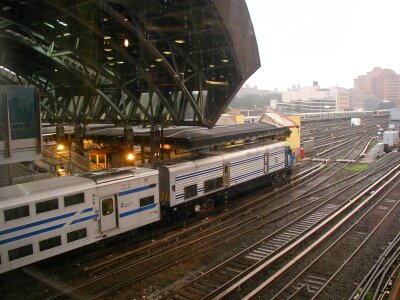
x=48, y=217
x=342, y=114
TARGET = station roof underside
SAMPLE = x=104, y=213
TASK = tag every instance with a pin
x=128, y=62
x=198, y=137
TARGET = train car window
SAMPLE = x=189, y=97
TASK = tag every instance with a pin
x=190, y=191
x=74, y=199
x=208, y=185
x=107, y=206
x=20, y=252
x=76, y=235
x=219, y=182
x=16, y=213
x=50, y=243
x=47, y=205
x=213, y=184
x=146, y=201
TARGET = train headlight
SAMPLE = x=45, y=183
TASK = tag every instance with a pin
x=130, y=156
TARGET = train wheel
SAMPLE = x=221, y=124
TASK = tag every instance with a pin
x=208, y=205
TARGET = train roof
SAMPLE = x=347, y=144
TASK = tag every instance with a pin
x=29, y=191
x=53, y=187
x=219, y=155
x=120, y=173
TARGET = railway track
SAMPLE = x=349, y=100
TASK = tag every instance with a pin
x=234, y=272
x=197, y=245
x=196, y=238
x=313, y=281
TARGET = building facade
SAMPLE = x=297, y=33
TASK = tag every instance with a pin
x=382, y=84
x=314, y=99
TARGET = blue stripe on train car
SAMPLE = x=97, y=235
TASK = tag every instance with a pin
x=239, y=162
x=193, y=174
x=29, y=234
x=41, y=222
x=135, y=190
x=247, y=175
x=87, y=210
x=84, y=219
x=138, y=210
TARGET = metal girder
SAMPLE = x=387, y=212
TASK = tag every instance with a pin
x=156, y=52
x=130, y=62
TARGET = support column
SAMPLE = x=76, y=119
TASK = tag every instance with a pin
x=129, y=144
x=78, y=138
x=142, y=154
x=60, y=134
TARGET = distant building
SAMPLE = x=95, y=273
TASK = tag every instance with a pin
x=314, y=99
x=306, y=93
x=342, y=98
x=382, y=84
x=247, y=90
x=359, y=100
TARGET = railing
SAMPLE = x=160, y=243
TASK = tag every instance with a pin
x=75, y=163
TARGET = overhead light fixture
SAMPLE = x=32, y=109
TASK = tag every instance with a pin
x=111, y=63
x=179, y=41
x=120, y=62
x=67, y=34
x=60, y=147
x=108, y=49
x=110, y=57
x=152, y=66
x=225, y=60
x=158, y=59
x=213, y=82
x=130, y=156
x=107, y=37
x=62, y=23
x=167, y=52
x=50, y=25
x=211, y=66
x=126, y=42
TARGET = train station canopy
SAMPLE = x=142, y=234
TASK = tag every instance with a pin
x=128, y=62
x=195, y=137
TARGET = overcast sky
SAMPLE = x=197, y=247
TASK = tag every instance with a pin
x=329, y=41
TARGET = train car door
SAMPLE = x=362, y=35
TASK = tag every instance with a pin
x=266, y=163
x=108, y=213
x=227, y=174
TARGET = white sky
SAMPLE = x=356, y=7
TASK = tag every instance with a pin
x=329, y=41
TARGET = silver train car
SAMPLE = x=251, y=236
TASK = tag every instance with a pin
x=45, y=218
x=337, y=115
x=48, y=217
x=199, y=183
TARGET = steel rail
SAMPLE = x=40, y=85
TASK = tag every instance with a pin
x=335, y=215
x=343, y=235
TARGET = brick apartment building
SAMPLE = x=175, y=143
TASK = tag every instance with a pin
x=382, y=84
